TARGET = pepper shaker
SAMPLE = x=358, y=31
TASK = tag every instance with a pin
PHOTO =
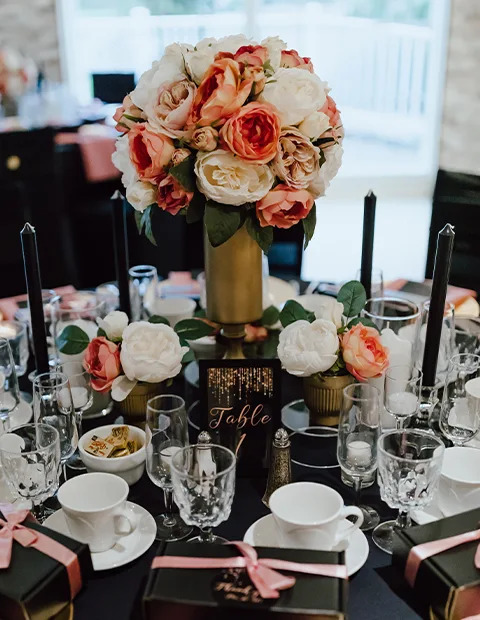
x=280, y=472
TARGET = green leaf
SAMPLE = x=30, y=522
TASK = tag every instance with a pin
x=192, y=329
x=353, y=297
x=364, y=321
x=309, y=224
x=263, y=236
x=195, y=209
x=270, y=316
x=101, y=332
x=222, y=222
x=185, y=174
x=135, y=119
x=147, y=222
x=311, y=316
x=72, y=340
x=188, y=357
x=292, y=311
x=138, y=221
x=156, y=318
x=200, y=314
x=338, y=367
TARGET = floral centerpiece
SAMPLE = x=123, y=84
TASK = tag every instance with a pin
x=17, y=74
x=236, y=131
x=331, y=348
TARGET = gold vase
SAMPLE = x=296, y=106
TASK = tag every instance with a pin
x=233, y=274
x=134, y=407
x=323, y=396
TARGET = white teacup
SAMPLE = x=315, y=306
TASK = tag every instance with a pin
x=459, y=487
x=95, y=509
x=175, y=309
x=312, y=516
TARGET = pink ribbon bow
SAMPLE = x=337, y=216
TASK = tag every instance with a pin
x=262, y=572
x=12, y=529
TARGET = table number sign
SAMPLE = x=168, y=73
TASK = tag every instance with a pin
x=240, y=403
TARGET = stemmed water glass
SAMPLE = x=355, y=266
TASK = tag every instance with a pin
x=203, y=477
x=53, y=404
x=166, y=433
x=460, y=412
x=30, y=456
x=16, y=334
x=403, y=388
x=82, y=397
x=142, y=279
x=9, y=392
x=409, y=465
x=358, y=431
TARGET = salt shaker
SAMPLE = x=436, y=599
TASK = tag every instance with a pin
x=280, y=472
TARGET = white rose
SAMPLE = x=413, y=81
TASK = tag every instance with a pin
x=231, y=180
x=308, y=348
x=274, y=45
x=141, y=194
x=329, y=169
x=121, y=160
x=295, y=93
x=151, y=352
x=114, y=324
x=199, y=59
x=232, y=43
x=314, y=125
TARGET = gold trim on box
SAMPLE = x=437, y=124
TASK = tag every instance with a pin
x=323, y=396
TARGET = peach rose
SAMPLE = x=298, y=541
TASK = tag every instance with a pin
x=330, y=109
x=363, y=352
x=221, y=93
x=252, y=55
x=179, y=155
x=150, y=152
x=122, y=114
x=297, y=161
x=172, y=197
x=168, y=112
x=253, y=132
x=283, y=207
x=204, y=139
x=258, y=77
x=255, y=334
x=102, y=361
x=291, y=58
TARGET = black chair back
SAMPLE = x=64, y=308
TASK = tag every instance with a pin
x=112, y=87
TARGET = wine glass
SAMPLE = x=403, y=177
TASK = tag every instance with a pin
x=403, y=388
x=203, y=477
x=358, y=431
x=16, y=334
x=460, y=412
x=409, y=465
x=467, y=335
x=30, y=456
x=82, y=396
x=166, y=433
x=53, y=404
x=9, y=392
x=143, y=281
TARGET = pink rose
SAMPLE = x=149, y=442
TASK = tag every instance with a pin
x=291, y=58
x=150, y=152
x=252, y=133
x=179, y=155
x=297, y=161
x=330, y=109
x=102, y=361
x=258, y=77
x=127, y=109
x=221, y=93
x=204, y=139
x=363, y=352
x=172, y=196
x=168, y=112
x=252, y=55
x=283, y=207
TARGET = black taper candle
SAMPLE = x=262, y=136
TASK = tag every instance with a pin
x=121, y=250
x=35, y=299
x=370, y=204
x=441, y=273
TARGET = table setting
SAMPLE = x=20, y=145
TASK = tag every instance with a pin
x=226, y=443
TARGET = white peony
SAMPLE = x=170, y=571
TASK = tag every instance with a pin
x=199, y=59
x=231, y=180
x=324, y=307
x=306, y=349
x=274, y=45
x=295, y=93
x=114, y=324
x=314, y=125
x=329, y=169
x=121, y=160
x=151, y=352
x=141, y=194
x=232, y=43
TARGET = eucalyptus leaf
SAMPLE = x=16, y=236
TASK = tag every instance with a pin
x=193, y=329
x=72, y=340
x=156, y=318
x=292, y=311
x=353, y=297
x=309, y=224
x=222, y=222
x=270, y=316
x=185, y=174
x=364, y=321
x=263, y=236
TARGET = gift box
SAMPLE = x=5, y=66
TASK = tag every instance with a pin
x=34, y=585
x=442, y=573
x=213, y=593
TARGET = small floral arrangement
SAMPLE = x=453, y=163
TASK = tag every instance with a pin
x=233, y=131
x=333, y=341
x=17, y=72
x=123, y=354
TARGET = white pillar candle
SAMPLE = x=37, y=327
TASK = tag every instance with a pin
x=402, y=403
x=359, y=453
x=399, y=350
x=79, y=397
x=167, y=455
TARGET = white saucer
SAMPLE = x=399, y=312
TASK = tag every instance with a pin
x=127, y=549
x=20, y=415
x=262, y=534
x=427, y=515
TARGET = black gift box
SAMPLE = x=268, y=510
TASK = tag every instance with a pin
x=35, y=586
x=447, y=585
x=200, y=594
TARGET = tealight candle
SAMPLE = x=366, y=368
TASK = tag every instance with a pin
x=359, y=453
x=7, y=331
x=167, y=455
x=79, y=397
x=402, y=403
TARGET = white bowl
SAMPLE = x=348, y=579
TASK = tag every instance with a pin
x=459, y=488
x=130, y=467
